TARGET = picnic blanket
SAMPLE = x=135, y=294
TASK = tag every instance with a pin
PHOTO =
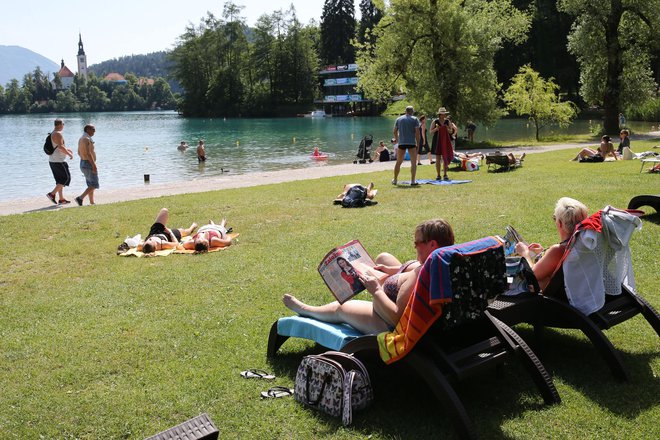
x=437, y=182
x=133, y=252
x=432, y=290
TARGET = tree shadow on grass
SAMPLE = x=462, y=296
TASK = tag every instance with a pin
x=576, y=361
x=405, y=408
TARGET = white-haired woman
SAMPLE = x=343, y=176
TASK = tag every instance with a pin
x=568, y=214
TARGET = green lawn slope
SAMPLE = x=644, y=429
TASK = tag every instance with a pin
x=93, y=345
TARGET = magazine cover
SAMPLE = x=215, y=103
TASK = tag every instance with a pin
x=341, y=269
x=510, y=239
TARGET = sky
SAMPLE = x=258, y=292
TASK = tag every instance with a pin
x=121, y=27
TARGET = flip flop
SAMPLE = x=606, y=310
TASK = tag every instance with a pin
x=257, y=374
x=276, y=392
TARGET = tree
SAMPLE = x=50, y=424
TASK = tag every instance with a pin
x=337, y=31
x=370, y=15
x=530, y=95
x=613, y=41
x=440, y=52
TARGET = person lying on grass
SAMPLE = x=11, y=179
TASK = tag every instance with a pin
x=209, y=236
x=605, y=149
x=390, y=298
x=568, y=214
x=161, y=237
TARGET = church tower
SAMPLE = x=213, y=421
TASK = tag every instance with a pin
x=82, y=59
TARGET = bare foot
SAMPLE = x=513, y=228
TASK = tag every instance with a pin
x=193, y=227
x=293, y=303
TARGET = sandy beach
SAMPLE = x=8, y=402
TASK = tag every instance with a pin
x=246, y=180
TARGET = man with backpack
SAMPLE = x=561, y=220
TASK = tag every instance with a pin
x=58, y=165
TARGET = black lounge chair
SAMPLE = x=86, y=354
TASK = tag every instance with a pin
x=551, y=308
x=500, y=162
x=645, y=200
x=464, y=341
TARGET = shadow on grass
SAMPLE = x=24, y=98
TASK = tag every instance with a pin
x=577, y=362
x=653, y=218
x=45, y=208
x=404, y=407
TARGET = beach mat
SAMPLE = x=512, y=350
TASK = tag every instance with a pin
x=437, y=182
x=133, y=252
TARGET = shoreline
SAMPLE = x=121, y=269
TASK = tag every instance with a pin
x=145, y=191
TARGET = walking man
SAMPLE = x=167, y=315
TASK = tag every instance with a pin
x=58, y=165
x=88, y=164
x=406, y=134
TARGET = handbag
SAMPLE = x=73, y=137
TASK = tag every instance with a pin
x=334, y=383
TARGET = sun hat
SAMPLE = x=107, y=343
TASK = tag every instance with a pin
x=442, y=111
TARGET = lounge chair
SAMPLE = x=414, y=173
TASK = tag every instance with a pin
x=198, y=428
x=445, y=334
x=598, y=293
x=645, y=200
x=500, y=162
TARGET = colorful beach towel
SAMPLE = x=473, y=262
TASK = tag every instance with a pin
x=437, y=182
x=432, y=292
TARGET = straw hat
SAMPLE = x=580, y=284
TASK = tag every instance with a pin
x=442, y=111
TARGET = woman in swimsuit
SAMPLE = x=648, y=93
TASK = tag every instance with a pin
x=161, y=237
x=208, y=236
x=383, y=313
x=568, y=214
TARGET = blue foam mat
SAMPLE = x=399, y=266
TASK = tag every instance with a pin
x=436, y=182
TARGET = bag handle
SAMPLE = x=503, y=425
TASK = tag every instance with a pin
x=308, y=398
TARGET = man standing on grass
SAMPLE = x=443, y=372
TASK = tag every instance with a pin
x=88, y=164
x=58, y=165
x=406, y=134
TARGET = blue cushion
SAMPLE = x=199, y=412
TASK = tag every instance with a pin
x=332, y=336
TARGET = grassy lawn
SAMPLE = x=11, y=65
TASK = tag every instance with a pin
x=98, y=346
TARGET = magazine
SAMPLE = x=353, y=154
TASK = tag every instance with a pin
x=341, y=267
x=511, y=238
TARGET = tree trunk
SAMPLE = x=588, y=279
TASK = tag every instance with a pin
x=612, y=96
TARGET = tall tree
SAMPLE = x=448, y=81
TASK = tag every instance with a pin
x=440, y=52
x=337, y=31
x=613, y=41
x=370, y=15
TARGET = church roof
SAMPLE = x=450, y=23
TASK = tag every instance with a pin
x=114, y=76
x=65, y=72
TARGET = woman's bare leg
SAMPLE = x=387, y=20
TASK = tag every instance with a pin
x=163, y=216
x=358, y=314
x=188, y=231
x=386, y=259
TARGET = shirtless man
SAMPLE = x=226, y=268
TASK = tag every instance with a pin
x=201, y=152
x=88, y=164
x=58, y=165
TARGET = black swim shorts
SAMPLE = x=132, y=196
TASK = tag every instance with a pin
x=159, y=228
x=406, y=147
x=61, y=173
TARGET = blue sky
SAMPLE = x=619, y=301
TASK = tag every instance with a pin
x=120, y=27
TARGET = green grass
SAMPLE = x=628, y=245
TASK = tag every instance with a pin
x=98, y=346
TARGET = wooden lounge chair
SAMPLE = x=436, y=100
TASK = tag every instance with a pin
x=461, y=338
x=553, y=308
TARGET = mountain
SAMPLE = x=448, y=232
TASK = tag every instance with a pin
x=16, y=61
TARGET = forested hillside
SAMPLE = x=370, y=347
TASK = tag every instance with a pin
x=151, y=65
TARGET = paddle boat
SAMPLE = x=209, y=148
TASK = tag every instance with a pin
x=317, y=155
x=317, y=114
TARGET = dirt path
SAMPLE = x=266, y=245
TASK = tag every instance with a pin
x=246, y=180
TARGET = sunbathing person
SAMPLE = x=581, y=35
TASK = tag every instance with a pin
x=568, y=214
x=371, y=192
x=467, y=156
x=605, y=149
x=161, y=237
x=389, y=299
x=209, y=236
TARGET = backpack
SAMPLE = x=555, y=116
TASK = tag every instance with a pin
x=334, y=383
x=49, y=148
x=355, y=197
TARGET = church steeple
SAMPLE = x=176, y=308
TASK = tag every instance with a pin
x=81, y=51
x=82, y=59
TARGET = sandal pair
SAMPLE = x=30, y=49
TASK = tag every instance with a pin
x=277, y=392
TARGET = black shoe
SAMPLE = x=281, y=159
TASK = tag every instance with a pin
x=79, y=201
x=438, y=178
x=414, y=184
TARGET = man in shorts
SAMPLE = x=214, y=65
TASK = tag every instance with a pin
x=88, y=164
x=58, y=165
x=406, y=134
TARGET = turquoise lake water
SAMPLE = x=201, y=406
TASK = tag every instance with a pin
x=130, y=145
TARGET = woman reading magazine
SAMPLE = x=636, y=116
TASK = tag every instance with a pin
x=389, y=298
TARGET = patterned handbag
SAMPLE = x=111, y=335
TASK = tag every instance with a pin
x=334, y=383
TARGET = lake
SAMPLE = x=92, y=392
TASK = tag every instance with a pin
x=132, y=144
